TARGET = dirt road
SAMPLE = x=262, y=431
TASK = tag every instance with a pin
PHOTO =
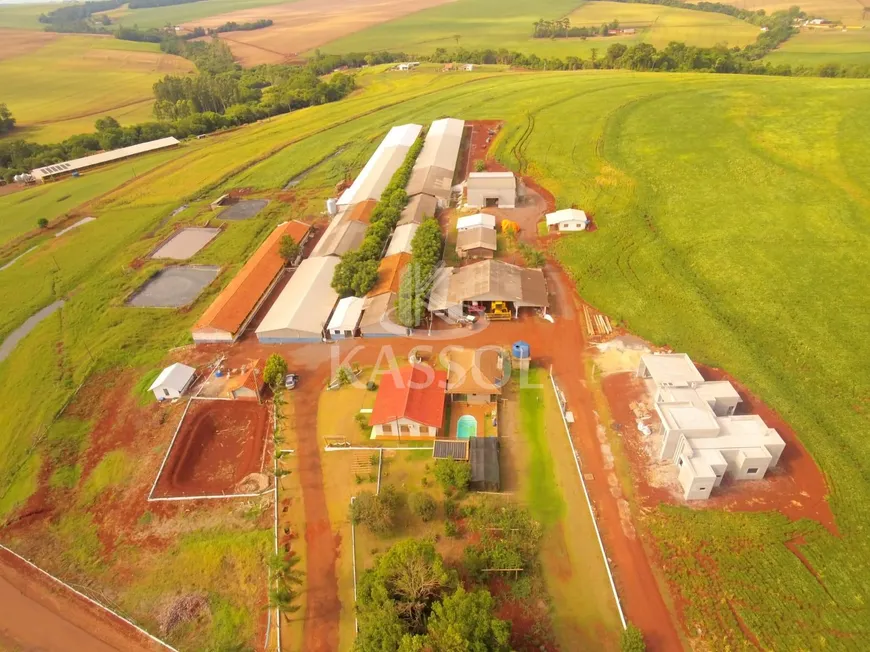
x=42, y=616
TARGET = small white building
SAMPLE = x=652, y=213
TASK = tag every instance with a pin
x=567, y=219
x=172, y=382
x=400, y=243
x=478, y=220
x=491, y=189
x=700, y=432
x=345, y=318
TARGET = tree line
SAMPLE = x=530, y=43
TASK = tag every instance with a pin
x=220, y=95
x=426, y=246
x=357, y=272
x=147, y=4
x=562, y=28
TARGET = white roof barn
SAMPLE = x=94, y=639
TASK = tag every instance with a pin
x=400, y=243
x=475, y=221
x=172, y=381
x=568, y=219
x=346, y=317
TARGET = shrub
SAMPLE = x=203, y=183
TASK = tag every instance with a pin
x=451, y=529
x=362, y=420
x=632, y=640
x=288, y=249
x=275, y=370
x=451, y=508
x=452, y=474
x=358, y=478
x=42, y=223
x=371, y=386
x=479, y=165
x=377, y=512
x=423, y=505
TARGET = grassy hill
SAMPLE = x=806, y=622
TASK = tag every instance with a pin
x=729, y=227
x=507, y=24
x=177, y=14
x=62, y=87
x=812, y=48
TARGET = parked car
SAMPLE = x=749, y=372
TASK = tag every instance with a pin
x=290, y=381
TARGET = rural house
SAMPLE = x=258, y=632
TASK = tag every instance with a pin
x=491, y=190
x=700, y=431
x=567, y=219
x=475, y=375
x=172, y=382
x=409, y=403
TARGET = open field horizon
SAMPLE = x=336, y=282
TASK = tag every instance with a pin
x=727, y=227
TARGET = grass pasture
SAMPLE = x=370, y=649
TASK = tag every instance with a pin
x=475, y=24
x=848, y=11
x=23, y=15
x=61, y=88
x=184, y=13
x=732, y=224
x=816, y=47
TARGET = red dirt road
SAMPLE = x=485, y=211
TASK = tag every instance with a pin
x=42, y=616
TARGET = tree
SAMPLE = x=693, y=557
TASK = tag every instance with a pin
x=106, y=123
x=452, y=474
x=275, y=370
x=479, y=165
x=288, y=249
x=632, y=640
x=377, y=512
x=42, y=223
x=286, y=580
x=423, y=505
x=7, y=122
x=462, y=622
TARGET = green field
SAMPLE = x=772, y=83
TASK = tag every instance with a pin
x=849, y=11
x=184, y=13
x=732, y=224
x=63, y=87
x=817, y=47
x=507, y=24
x=23, y=16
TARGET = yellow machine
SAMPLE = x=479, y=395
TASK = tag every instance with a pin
x=498, y=310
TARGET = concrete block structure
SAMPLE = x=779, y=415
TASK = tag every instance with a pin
x=700, y=431
x=491, y=189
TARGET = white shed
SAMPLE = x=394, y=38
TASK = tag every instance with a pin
x=172, y=381
x=475, y=221
x=491, y=189
x=345, y=318
x=568, y=219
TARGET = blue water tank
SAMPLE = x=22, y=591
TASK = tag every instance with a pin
x=521, y=350
x=218, y=373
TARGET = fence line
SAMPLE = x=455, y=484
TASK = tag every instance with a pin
x=170, y=499
x=88, y=598
x=332, y=449
x=353, y=557
x=168, y=450
x=556, y=392
x=277, y=480
x=380, y=465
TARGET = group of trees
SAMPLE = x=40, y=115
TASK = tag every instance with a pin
x=561, y=28
x=357, y=272
x=509, y=539
x=416, y=282
x=410, y=602
x=146, y=4
x=7, y=121
x=80, y=18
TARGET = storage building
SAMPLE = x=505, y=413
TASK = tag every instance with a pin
x=57, y=170
x=419, y=207
x=345, y=318
x=400, y=243
x=172, y=382
x=302, y=310
x=475, y=221
x=568, y=219
x=478, y=242
x=485, y=466
x=229, y=314
x=390, y=274
x=435, y=167
x=376, y=318
x=491, y=189
x=342, y=235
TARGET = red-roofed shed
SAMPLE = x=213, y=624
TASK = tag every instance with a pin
x=410, y=403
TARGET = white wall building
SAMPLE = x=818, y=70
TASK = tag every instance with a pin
x=491, y=189
x=475, y=221
x=172, y=381
x=700, y=432
x=568, y=219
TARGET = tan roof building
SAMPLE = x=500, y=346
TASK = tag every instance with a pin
x=361, y=212
x=342, y=235
x=478, y=242
x=437, y=182
x=475, y=375
x=376, y=320
x=390, y=274
x=419, y=208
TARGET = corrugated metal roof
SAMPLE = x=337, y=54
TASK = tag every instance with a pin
x=390, y=274
x=400, y=243
x=476, y=220
x=478, y=237
x=485, y=466
x=305, y=303
x=566, y=215
x=453, y=449
x=381, y=167
x=347, y=314
x=341, y=236
x=233, y=306
x=418, y=208
x=434, y=181
x=175, y=376
x=441, y=148
x=375, y=311
x=103, y=157
x=489, y=280
x=484, y=180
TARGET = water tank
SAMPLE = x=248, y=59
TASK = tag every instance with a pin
x=521, y=350
x=332, y=207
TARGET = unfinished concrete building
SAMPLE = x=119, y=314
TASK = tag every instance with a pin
x=700, y=431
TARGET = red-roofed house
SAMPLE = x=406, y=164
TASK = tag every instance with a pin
x=410, y=403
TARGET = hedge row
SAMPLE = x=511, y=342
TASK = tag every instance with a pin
x=417, y=281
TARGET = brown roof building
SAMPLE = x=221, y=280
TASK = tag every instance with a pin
x=361, y=212
x=419, y=207
x=228, y=315
x=475, y=374
x=477, y=242
x=390, y=274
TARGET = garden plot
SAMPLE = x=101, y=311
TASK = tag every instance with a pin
x=217, y=451
x=174, y=287
x=243, y=210
x=186, y=243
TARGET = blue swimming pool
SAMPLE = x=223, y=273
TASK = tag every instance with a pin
x=466, y=427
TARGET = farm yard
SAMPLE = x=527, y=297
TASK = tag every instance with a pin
x=649, y=157
x=62, y=87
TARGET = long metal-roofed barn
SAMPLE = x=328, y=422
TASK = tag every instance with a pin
x=56, y=170
x=302, y=310
x=227, y=317
x=435, y=166
x=380, y=168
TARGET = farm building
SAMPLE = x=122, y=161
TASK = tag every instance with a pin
x=477, y=242
x=376, y=320
x=400, y=243
x=477, y=287
x=302, y=310
x=342, y=235
x=229, y=314
x=345, y=319
x=380, y=168
x=476, y=375
x=700, y=431
x=390, y=274
x=491, y=189
x=361, y=212
x=485, y=466
x=435, y=166
x=450, y=449
x=475, y=221
x=58, y=170
x=409, y=403
x=248, y=384
x=172, y=382
x=568, y=219
x=419, y=208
